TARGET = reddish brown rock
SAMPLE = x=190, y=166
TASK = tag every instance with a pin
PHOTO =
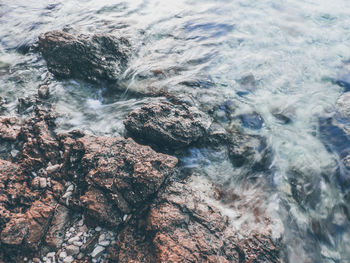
x=186, y=224
x=10, y=127
x=100, y=209
x=121, y=174
x=15, y=231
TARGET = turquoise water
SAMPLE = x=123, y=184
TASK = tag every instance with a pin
x=278, y=59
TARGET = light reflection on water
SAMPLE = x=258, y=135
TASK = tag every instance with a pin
x=205, y=49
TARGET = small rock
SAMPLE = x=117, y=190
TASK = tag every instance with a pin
x=70, y=188
x=98, y=228
x=53, y=168
x=42, y=182
x=72, y=250
x=78, y=243
x=36, y=183
x=80, y=256
x=66, y=195
x=43, y=92
x=97, y=251
x=104, y=243
x=102, y=237
x=63, y=255
x=80, y=222
x=71, y=240
x=69, y=259
x=14, y=153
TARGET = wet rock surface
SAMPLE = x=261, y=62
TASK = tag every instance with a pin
x=55, y=176
x=168, y=124
x=89, y=57
x=77, y=197
x=184, y=224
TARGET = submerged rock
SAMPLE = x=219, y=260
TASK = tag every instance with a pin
x=168, y=124
x=251, y=150
x=89, y=57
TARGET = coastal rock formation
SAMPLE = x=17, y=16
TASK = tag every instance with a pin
x=89, y=57
x=185, y=224
x=77, y=197
x=168, y=124
x=9, y=128
x=106, y=179
x=121, y=175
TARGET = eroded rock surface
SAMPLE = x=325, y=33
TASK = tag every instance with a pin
x=89, y=57
x=168, y=124
x=121, y=175
x=55, y=176
x=185, y=224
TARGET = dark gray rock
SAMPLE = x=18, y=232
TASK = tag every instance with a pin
x=89, y=57
x=168, y=124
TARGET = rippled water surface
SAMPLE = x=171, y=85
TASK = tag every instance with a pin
x=285, y=61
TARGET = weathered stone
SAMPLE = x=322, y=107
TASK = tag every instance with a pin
x=98, y=207
x=186, y=224
x=128, y=173
x=90, y=57
x=10, y=127
x=72, y=250
x=168, y=124
x=15, y=231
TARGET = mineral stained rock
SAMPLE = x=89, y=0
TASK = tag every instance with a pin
x=89, y=57
x=183, y=225
x=121, y=174
x=168, y=124
x=54, y=176
x=10, y=128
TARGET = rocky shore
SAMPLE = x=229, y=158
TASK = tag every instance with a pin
x=76, y=197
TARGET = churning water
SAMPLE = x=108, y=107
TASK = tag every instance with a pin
x=281, y=63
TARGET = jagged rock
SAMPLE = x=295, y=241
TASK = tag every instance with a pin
x=90, y=57
x=168, y=124
x=121, y=174
x=185, y=224
x=10, y=128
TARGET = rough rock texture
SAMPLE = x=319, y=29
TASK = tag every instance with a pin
x=121, y=174
x=9, y=128
x=168, y=124
x=54, y=176
x=89, y=57
x=125, y=188
x=185, y=225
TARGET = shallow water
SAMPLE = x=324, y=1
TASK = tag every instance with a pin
x=284, y=61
